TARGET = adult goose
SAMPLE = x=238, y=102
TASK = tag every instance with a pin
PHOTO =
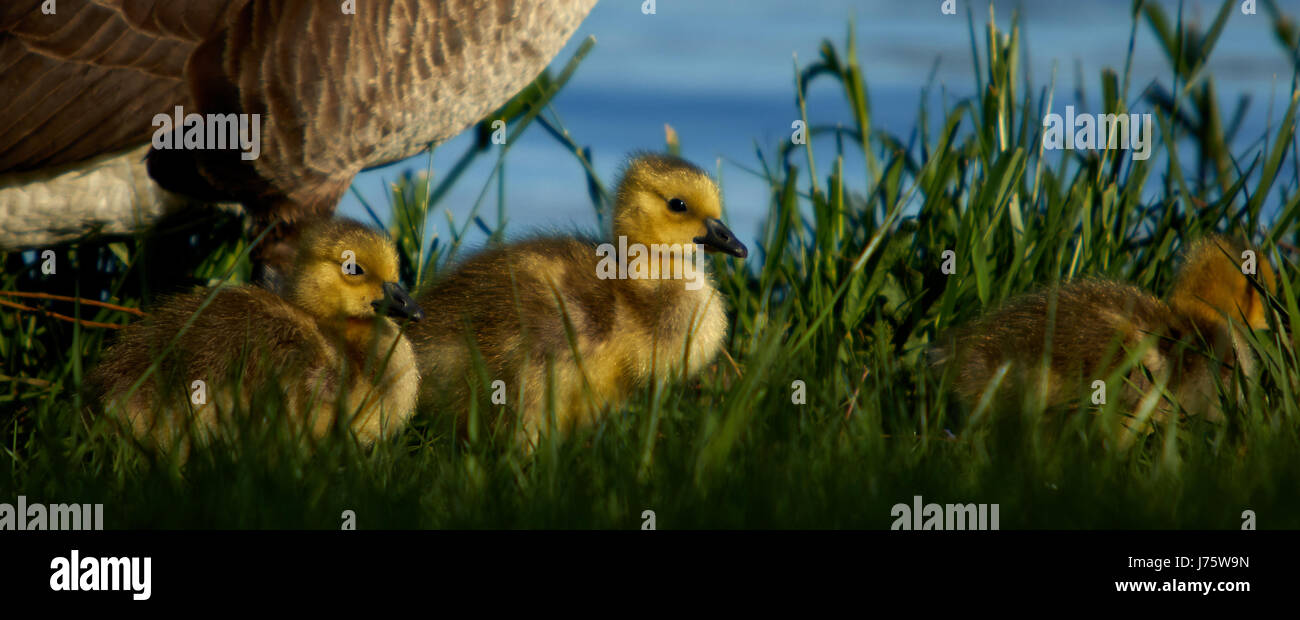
x=338, y=86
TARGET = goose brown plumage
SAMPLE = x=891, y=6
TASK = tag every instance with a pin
x=337, y=93
x=553, y=322
x=326, y=348
x=1188, y=343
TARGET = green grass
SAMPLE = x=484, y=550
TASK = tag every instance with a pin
x=845, y=294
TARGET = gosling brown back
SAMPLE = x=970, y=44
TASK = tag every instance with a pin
x=1098, y=326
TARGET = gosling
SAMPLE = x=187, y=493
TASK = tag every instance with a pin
x=571, y=326
x=326, y=347
x=1187, y=343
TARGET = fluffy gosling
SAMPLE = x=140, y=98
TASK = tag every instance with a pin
x=571, y=325
x=326, y=346
x=1186, y=342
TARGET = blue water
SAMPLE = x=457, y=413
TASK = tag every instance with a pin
x=721, y=73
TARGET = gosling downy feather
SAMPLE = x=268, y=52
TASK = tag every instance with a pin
x=327, y=348
x=552, y=320
x=1185, y=343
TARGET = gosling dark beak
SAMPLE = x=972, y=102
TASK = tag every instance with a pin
x=398, y=303
x=717, y=237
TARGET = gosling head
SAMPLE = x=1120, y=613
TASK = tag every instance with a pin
x=1212, y=288
x=667, y=200
x=343, y=270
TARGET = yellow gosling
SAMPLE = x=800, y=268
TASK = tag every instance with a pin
x=1184, y=343
x=326, y=349
x=571, y=325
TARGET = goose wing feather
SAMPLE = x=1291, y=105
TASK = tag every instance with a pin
x=337, y=93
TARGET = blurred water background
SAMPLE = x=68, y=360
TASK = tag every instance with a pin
x=721, y=72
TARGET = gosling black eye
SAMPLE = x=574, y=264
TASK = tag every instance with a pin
x=677, y=205
x=353, y=270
